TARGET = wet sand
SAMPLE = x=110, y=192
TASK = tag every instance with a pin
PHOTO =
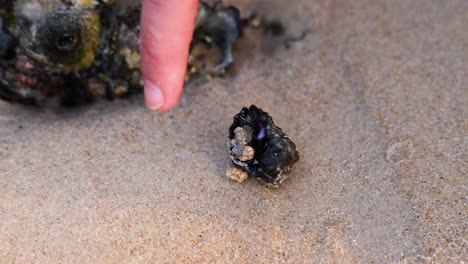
x=375, y=98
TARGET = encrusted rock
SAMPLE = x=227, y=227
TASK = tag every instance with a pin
x=65, y=49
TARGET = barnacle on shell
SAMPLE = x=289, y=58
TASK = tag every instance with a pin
x=259, y=147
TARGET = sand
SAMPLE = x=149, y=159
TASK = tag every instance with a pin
x=375, y=98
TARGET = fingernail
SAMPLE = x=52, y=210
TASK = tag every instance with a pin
x=153, y=96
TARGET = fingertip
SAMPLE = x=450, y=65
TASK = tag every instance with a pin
x=168, y=106
x=158, y=98
x=154, y=96
x=172, y=94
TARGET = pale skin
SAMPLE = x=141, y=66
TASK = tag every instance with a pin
x=166, y=32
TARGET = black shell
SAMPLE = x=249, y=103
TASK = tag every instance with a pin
x=274, y=152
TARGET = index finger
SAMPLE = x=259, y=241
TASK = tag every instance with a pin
x=166, y=31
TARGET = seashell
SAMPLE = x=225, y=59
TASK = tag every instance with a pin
x=260, y=148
